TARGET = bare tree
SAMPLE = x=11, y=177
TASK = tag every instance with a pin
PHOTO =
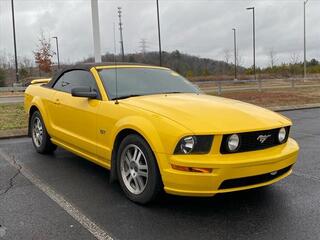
x=3, y=59
x=26, y=62
x=239, y=58
x=273, y=57
x=25, y=67
x=2, y=77
x=294, y=58
x=227, y=55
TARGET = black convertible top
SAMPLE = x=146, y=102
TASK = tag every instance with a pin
x=86, y=67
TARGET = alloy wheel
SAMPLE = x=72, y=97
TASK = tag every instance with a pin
x=134, y=169
x=37, y=131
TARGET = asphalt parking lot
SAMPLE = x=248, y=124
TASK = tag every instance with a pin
x=289, y=209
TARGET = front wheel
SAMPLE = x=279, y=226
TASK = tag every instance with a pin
x=40, y=137
x=138, y=170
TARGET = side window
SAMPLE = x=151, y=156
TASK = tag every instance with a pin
x=75, y=78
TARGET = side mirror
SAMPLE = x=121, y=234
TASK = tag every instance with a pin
x=85, y=92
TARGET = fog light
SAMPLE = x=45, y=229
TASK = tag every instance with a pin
x=274, y=173
x=282, y=135
x=233, y=142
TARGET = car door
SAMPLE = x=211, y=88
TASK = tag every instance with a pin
x=75, y=117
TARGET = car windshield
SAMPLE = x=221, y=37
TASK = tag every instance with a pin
x=144, y=81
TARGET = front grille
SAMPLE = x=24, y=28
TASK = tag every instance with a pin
x=249, y=141
x=247, y=181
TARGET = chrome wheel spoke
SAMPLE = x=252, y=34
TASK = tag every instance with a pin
x=130, y=179
x=126, y=173
x=136, y=184
x=137, y=158
x=129, y=156
x=127, y=161
x=140, y=182
x=143, y=167
x=142, y=170
x=135, y=154
x=143, y=174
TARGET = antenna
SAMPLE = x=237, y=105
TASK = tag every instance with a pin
x=115, y=62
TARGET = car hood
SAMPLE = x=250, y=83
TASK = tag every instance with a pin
x=203, y=114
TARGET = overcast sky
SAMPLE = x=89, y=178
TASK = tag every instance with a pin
x=198, y=27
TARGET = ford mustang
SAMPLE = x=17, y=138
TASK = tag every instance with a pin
x=154, y=130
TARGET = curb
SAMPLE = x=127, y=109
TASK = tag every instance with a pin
x=13, y=136
x=14, y=133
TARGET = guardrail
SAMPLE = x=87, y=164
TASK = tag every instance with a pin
x=220, y=86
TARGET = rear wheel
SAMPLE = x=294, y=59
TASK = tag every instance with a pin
x=40, y=137
x=138, y=170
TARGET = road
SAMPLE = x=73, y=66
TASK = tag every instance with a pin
x=35, y=203
x=15, y=99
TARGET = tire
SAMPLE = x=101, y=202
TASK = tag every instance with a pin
x=137, y=170
x=40, y=137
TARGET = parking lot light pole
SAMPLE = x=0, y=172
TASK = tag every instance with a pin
x=254, y=44
x=159, y=34
x=96, y=30
x=304, y=40
x=57, y=47
x=235, y=52
x=14, y=42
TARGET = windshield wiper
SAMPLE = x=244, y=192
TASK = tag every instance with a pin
x=170, y=92
x=127, y=96
x=137, y=95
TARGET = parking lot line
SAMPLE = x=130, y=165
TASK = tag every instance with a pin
x=93, y=228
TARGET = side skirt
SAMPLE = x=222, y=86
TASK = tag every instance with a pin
x=80, y=153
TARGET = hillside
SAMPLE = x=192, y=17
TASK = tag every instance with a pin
x=184, y=64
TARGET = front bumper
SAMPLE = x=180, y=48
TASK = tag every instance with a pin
x=226, y=167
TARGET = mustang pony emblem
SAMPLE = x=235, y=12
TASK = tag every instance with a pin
x=263, y=138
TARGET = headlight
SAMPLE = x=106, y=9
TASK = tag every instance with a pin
x=233, y=142
x=187, y=144
x=194, y=145
x=282, y=135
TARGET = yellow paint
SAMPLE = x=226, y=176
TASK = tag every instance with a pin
x=77, y=124
x=37, y=81
x=175, y=74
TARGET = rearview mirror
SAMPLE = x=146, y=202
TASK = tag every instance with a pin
x=85, y=92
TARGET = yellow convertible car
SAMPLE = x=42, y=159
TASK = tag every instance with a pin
x=154, y=130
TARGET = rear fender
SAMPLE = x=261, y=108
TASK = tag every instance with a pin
x=37, y=102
